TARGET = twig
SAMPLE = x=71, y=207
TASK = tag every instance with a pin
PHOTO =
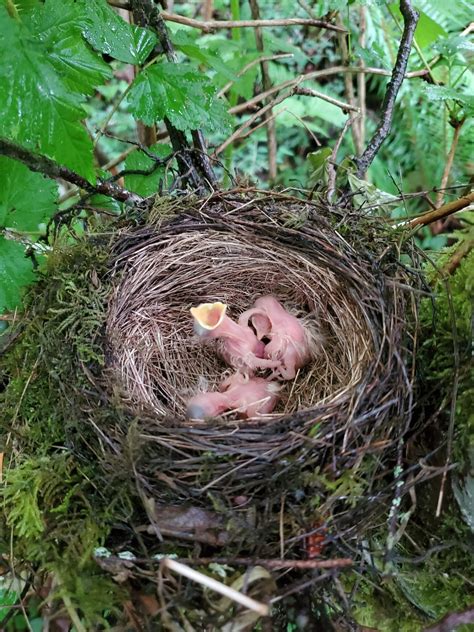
x=349, y=91
x=266, y=83
x=272, y=563
x=251, y=64
x=261, y=608
x=439, y=213
x=449, y=163
x=307, y=8
x=316, y=74
x=43, y=164
x=461, y=251
x=246, y=124
x=332, y=160
x=212, y=25
x=260, y=125
x=207, y=9
x=308, y=92
x=410, y=18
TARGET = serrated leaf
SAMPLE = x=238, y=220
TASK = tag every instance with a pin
x=49, y=70
x=26, y=198
x=108, y=33
x=16, y=271
x=146, y=184
x=443, y=93
x=450, y=46
x=181, y=93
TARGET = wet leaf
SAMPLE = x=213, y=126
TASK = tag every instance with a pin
x=180, y=93
x=51, y=73
x=108, y=33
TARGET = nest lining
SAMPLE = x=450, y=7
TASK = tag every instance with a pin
x=162, y=364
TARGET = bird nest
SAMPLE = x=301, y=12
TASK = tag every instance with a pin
x=317, y=475
x=333, y=269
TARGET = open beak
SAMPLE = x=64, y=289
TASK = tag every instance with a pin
x=208, y=317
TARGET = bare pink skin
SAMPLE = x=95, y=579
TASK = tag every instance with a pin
x=288, y=341
x=249, y=396
x=239, y=346
x=205, y=405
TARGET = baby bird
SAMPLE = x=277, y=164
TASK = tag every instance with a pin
x=239, y=346
x=288, y=339
x=249, y=396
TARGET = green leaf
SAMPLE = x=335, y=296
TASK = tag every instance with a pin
x=195, y=50
x=428, y=31
x=443, y=93
x=317, y=165
x=7, y=599
x=105, y=202
x=450, y=46
x=26, y=198
x=16, y=271
x=146, y=185
x=49, y=70
x=108, y=33
x=180, y=93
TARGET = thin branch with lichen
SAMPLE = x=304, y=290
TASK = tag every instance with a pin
x=43, y=164
x=212, y=25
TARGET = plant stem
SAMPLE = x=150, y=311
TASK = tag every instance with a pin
x=449, y=164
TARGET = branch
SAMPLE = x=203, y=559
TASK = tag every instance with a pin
x=449, y=163
x=212, y=25
x=410, y=18
x=272, y=563
x=461, y=251
x=48, y=167
x=308, y=92
x=316, y=74
x=439, y=213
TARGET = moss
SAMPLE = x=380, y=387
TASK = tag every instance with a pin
x=57, y=505
x=447, y=346
x=417, y=594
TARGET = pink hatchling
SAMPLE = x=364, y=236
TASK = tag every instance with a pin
x=249, y=396
x=239, y=346
x=288, y=339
